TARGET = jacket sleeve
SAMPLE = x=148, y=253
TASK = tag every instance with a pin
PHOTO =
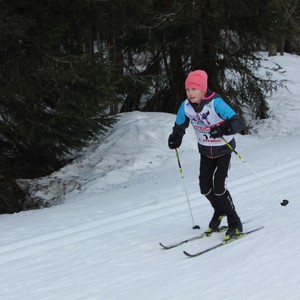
x=233, y=121
x=236, y=124
x=182, y=121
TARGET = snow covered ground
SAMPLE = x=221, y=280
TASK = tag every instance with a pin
x=126, y=195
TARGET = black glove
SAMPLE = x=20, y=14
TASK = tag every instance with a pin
x=174, y=141
x=220, y=130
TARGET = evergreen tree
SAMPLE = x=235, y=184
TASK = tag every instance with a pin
x=55, y=90
x=218, y=36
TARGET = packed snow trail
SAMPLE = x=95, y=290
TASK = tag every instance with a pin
x=89, y=260
x=135, y=217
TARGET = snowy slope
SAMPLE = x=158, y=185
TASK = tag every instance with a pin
x=126, y=195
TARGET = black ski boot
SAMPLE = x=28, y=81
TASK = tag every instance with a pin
x=218, y=213
x=235, y=227
x=233, y=233
x=216, y=220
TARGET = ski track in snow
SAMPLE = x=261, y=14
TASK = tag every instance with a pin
x=32, y=246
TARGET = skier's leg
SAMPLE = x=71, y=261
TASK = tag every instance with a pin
x=207, y=170
x=223, y=194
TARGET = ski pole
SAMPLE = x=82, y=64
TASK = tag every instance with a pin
x=284, y=202
x=186, y=193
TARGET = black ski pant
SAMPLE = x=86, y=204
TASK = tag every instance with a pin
x=213, y=173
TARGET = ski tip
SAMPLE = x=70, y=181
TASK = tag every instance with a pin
x=187, y=254
x=164, y=246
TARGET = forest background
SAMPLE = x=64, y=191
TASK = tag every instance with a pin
x=68, y=68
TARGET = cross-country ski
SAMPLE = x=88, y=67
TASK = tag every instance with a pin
x=196, y=237
x=223, y=243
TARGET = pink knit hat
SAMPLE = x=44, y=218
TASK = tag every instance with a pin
x=197, y=80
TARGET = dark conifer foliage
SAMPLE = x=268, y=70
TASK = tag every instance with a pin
x=179, y=36
x=219, y=37
x=54, y=90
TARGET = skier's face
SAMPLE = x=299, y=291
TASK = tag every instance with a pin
x=194, y=95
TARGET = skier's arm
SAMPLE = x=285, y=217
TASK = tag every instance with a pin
x=181, y=123
x=233, y=122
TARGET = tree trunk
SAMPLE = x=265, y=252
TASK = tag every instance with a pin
x=272, y=49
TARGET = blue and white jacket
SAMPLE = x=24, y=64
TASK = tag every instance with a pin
x=211, y=111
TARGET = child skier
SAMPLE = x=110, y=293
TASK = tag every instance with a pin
x=214, y=121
